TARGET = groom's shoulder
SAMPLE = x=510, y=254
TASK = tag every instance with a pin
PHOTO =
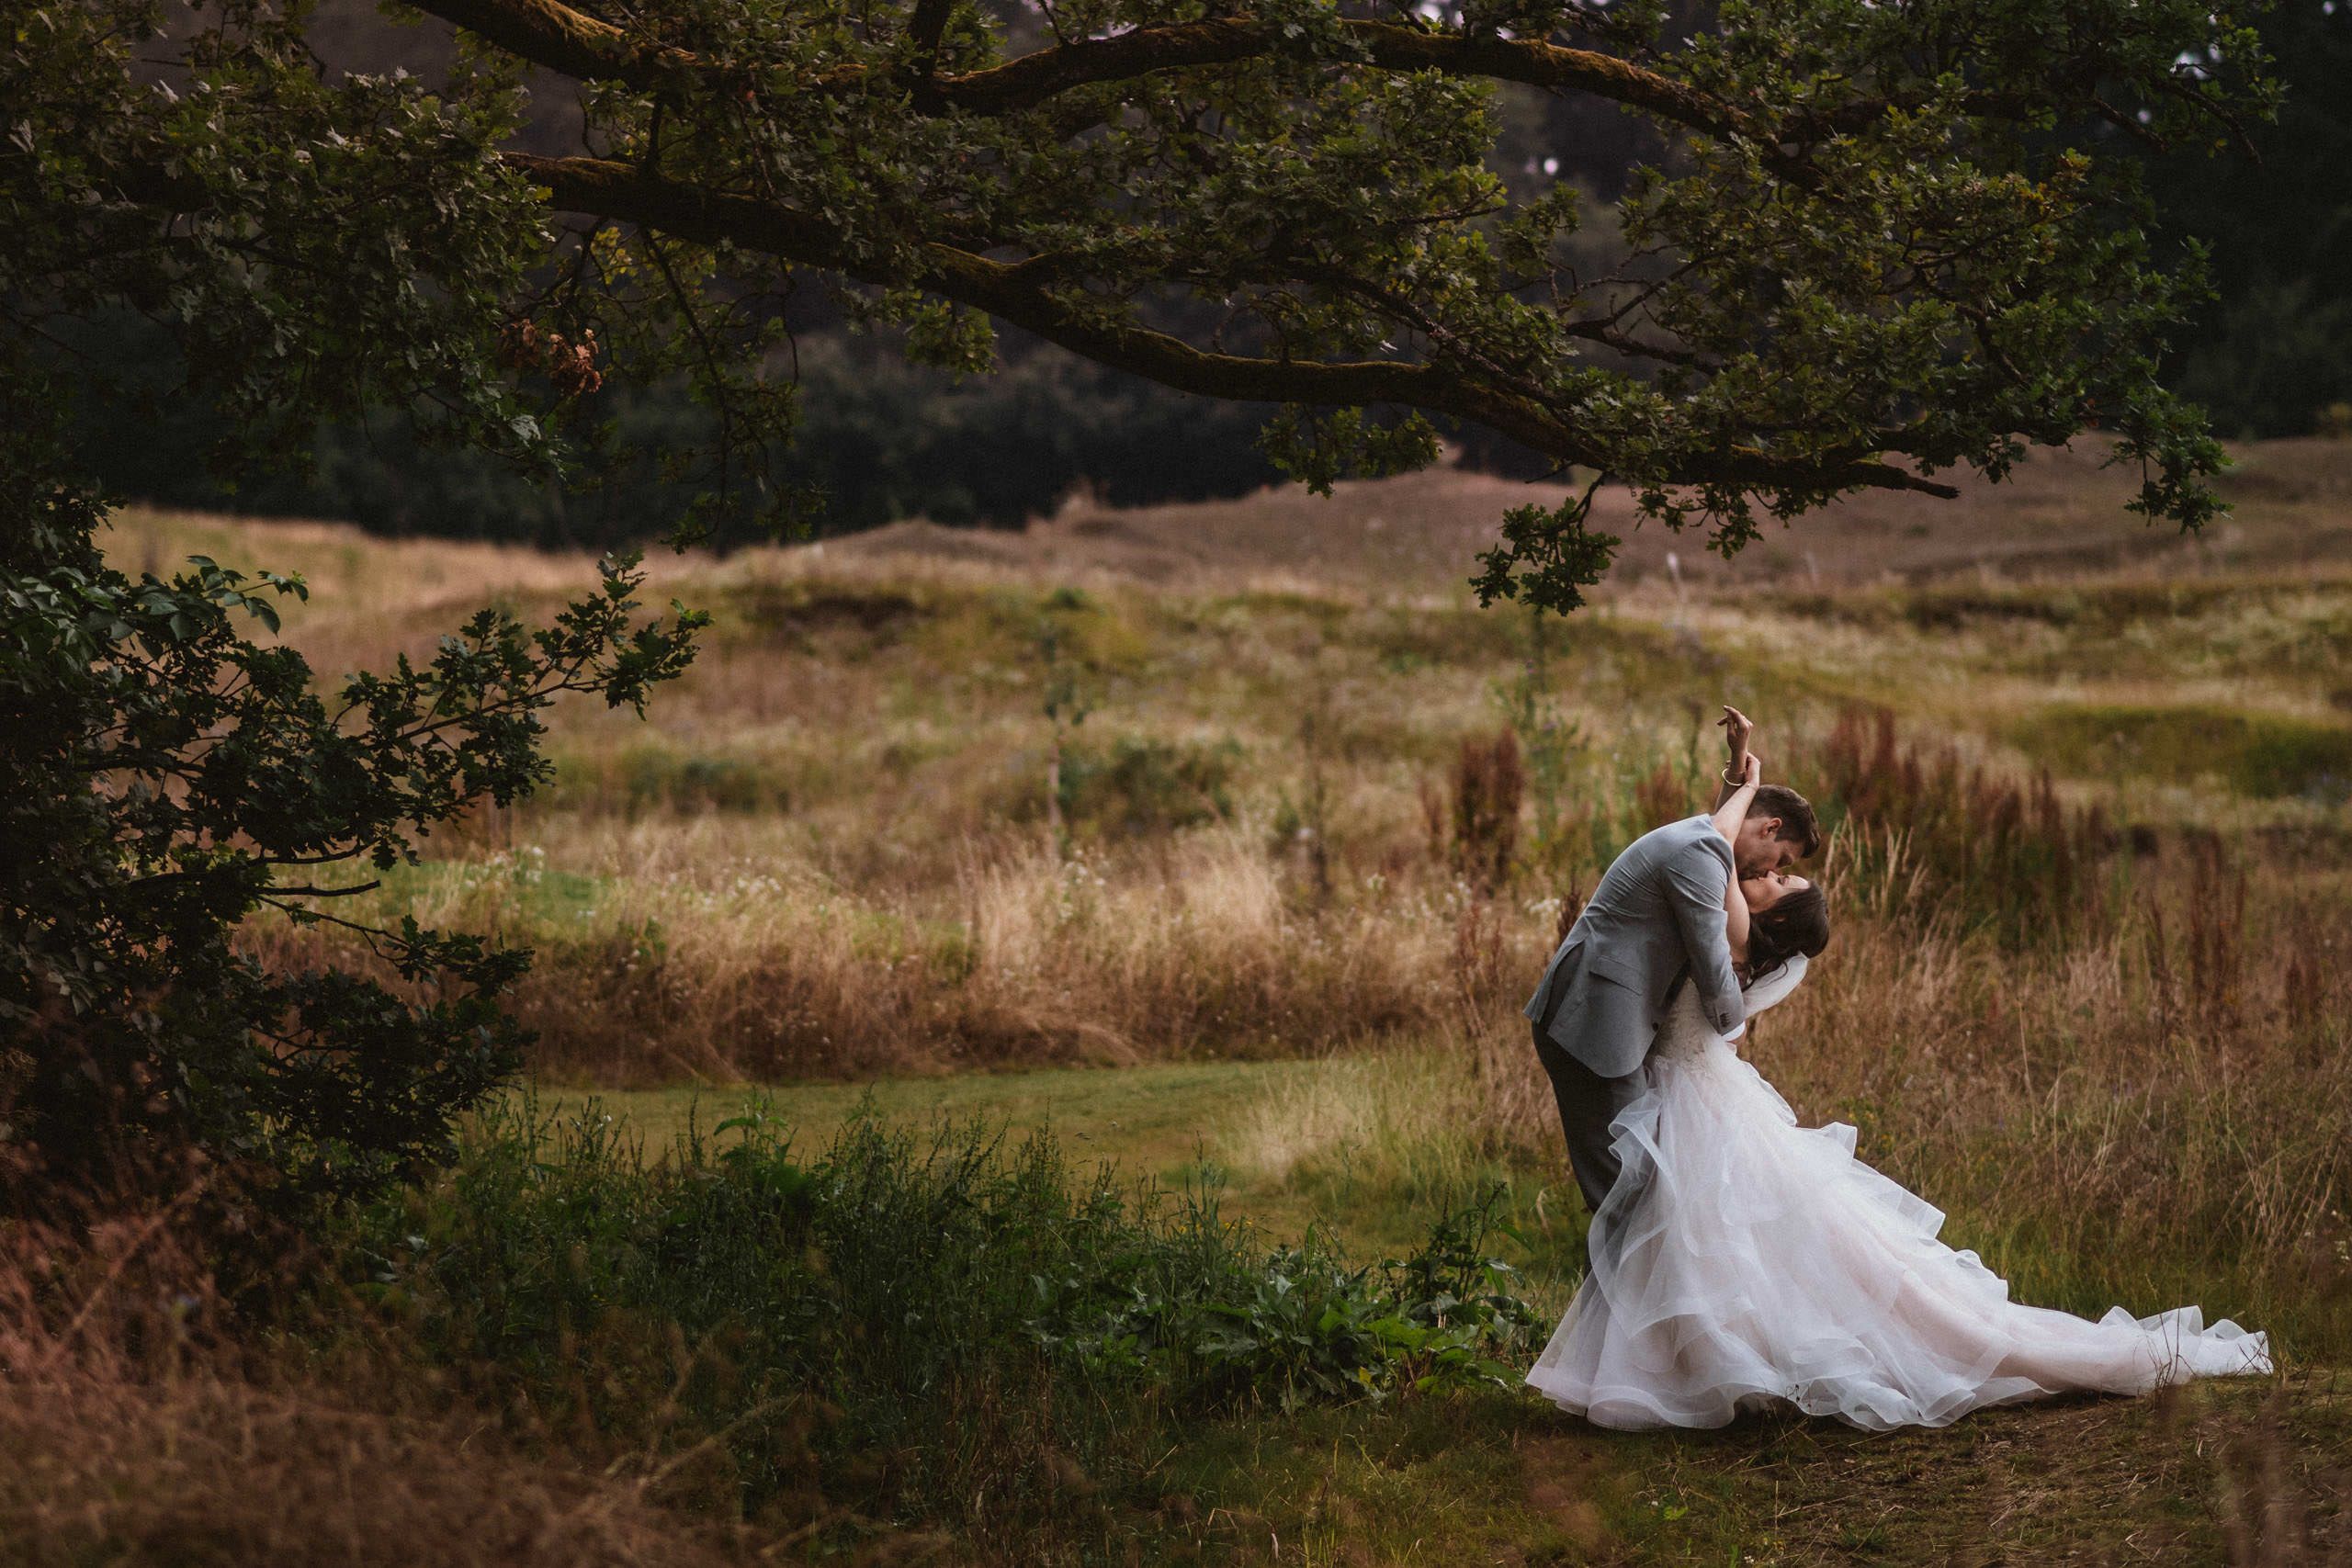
x=1681, y=834
x=1682, y=837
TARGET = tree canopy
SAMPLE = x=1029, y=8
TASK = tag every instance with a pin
x=1872, y=253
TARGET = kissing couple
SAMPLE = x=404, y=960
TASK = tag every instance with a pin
x=1739, y=1261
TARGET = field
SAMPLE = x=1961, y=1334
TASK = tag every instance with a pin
x=1251, y=911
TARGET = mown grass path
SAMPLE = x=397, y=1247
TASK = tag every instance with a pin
x=2250, y=1471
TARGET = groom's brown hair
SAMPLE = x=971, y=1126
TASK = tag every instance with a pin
x=1795, y=812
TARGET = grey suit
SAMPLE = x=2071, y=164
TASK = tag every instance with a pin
x=1656, y=916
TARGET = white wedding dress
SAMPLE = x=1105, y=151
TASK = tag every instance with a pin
x=1744, y=1262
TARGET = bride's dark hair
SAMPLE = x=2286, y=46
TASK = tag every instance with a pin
x=1798, y=923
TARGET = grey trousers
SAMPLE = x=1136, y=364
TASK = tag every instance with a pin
x=1587, y=1103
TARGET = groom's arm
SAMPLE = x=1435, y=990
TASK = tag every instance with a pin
x=1695, y=881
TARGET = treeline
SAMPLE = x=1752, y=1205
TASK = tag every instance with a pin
x=2272, y=355
x=881, y=440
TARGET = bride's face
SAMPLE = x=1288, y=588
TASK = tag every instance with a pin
x=1763, y=892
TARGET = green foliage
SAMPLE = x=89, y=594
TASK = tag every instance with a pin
x=2273, y=349
x=1141, y=786
x=971, y=1310
x=312, y=248
x=1548, y=556
x=878, y=439
x=177, y=776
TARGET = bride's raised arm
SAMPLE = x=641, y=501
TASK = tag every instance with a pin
x=1731, y=810
x=1736, y=728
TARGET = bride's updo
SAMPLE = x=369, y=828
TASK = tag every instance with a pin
x=1797, y=923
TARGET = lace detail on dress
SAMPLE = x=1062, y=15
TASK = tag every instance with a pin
x=1685, y=1032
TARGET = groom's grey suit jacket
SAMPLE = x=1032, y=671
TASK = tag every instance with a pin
x=1658, y=912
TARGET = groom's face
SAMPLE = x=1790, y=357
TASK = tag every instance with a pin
x=1759, y=851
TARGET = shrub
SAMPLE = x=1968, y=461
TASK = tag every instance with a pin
x=984, y=1318
x=653, y=777
x=1141, y=786
x=1488, y=783
x=175, y=776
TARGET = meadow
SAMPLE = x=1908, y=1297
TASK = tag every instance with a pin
x=1174, y=877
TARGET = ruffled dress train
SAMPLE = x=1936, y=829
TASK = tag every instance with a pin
x=1744, y=1262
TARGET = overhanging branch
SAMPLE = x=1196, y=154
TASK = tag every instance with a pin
x=586, y=47
x=623, y=193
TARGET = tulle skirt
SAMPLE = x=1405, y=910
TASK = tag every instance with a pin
x=1743, y=1262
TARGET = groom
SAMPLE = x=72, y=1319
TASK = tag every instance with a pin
x=1656, y=919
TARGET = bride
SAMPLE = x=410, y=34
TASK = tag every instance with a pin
x=1743, y=1262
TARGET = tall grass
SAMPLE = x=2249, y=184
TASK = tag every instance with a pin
x=1199, y=945
x=2114, y=1051
x=1930, y=833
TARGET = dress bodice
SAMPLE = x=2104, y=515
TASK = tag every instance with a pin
x=1685, y=1030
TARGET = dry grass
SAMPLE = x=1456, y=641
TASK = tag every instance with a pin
x=205, y=1469
x=135, y=1434
x=1022, y=956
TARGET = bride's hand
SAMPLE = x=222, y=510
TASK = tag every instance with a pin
x=1736, y=728
x=1738, y=772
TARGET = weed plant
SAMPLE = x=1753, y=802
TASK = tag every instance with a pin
x=1928, y=835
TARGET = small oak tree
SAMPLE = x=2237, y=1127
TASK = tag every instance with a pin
x=162, y=778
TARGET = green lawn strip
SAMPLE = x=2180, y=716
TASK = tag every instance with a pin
x=1151, y=1119
x=1169, y=1121
x=1175, y=1123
